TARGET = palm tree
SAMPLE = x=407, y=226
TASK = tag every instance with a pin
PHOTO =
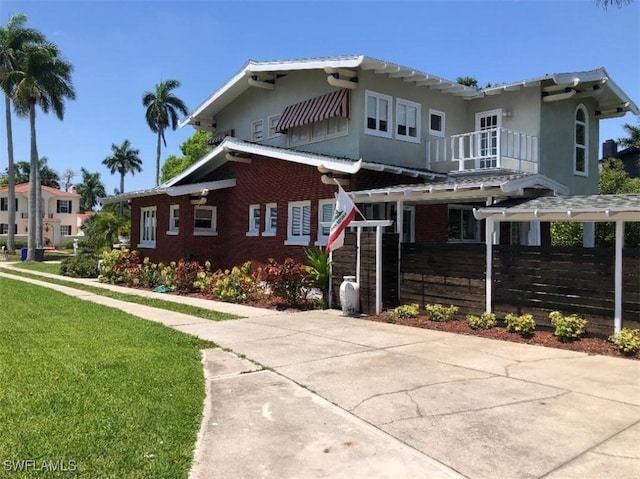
x=90, y=190
x=162, y=112
x=43, y=79
x=634, y=136
x=124, y=160
x=13, y=37
x=618, y=3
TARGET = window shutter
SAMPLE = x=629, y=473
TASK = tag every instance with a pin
x=70, y=206
x=57, y=206
x=306, y=220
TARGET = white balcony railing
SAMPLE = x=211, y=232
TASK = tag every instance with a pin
x=493, y=148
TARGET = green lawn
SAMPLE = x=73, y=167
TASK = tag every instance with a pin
x=95, y=388
x=53, y=268
x=153, y=302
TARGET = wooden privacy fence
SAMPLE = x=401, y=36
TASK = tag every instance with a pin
x=344, y=264
x=526, y=279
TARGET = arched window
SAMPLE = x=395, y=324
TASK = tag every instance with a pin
x=581, y=142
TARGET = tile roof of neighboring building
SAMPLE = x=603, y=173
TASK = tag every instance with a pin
x=24, y=188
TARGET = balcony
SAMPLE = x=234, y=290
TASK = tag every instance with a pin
x=492, y=148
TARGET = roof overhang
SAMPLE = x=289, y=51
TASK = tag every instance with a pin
x=568, y=208
x=254, y=74
x=465, y=189
x=234, y=149
x=610, y=99
x=200, y=189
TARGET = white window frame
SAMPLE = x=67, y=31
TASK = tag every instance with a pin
x=199, y=231
x=442, y=116
x=270, y=213
x=459, y=208
x=411, y=224
x=298, y=239
x=255, y=131
x=272, y=122
x=408, y=104
x=174, y=221
x=576, y=145
x=148, y=227
x=254, y=221
x=322, y=237
x=378, y=97
x=324, y=132
x=68, y=228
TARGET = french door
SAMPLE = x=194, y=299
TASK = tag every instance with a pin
x=487, y=125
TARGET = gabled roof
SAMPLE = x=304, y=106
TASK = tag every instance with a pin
x=567, y=208
x=23, y=188
x=200, y=189
x=230, y=145
x=595, y=83
x=469, y=187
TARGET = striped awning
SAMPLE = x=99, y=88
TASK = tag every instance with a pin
x=217, y=139
x=316, y=109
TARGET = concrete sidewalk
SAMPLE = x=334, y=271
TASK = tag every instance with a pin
x=316, y=394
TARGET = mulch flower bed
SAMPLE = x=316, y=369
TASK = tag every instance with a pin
x=589, y=345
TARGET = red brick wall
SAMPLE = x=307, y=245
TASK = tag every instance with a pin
x=263, y=181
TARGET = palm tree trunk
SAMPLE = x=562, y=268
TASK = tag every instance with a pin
x=158, y=156
x=31, y=242
x=39, y=211
x=11, y=237
x=121, y=192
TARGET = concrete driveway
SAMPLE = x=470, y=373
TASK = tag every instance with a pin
x=316, y=394
x=483, y=408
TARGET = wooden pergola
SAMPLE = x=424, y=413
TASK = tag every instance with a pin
x=618, y=209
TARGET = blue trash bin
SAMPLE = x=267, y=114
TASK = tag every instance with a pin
x=23, y=254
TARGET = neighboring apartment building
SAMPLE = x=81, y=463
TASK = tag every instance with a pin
x=397, y=139
x=61, y=209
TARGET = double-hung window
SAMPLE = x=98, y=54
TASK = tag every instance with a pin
x=407, y=120
x=205, y=221
x=148, y=227
x=299, y=223
x=174, y=219
x=254, y=220
x=270, y=219
x=326, y=209
x=257, y=130
x=65, y=230
x=377, y=117
x=63, y=206
x=273, y=123
x=581, y=142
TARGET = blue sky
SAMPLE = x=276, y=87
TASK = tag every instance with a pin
x=121, y=49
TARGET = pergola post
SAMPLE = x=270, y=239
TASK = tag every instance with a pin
x=488, y=278
x=617, y=312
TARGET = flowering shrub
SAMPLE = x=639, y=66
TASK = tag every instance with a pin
x=237, y=285
x=407, y=311
x=525, y=324
x=439, y=312
x=120, y=267
x=186, y=275
x=485, y=321
x=627, y=340
x=289, y=281
x=569, y=327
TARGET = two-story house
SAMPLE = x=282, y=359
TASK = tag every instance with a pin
x=61, y=209
x=397, y=139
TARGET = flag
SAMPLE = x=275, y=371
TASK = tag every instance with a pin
x=344, y=213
